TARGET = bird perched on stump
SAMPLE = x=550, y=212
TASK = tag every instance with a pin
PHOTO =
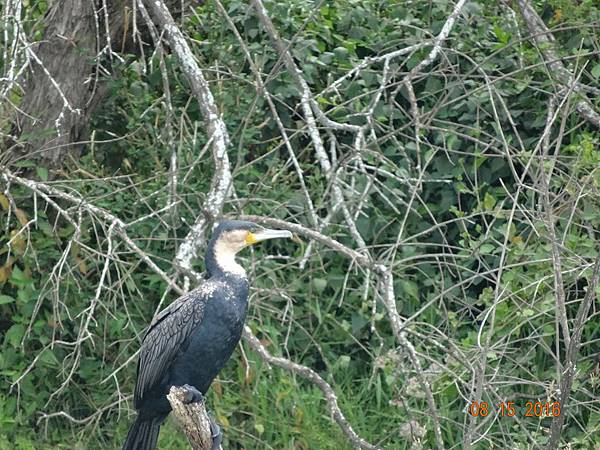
x=190, y=341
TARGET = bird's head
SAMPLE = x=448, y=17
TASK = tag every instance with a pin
x=231, y=236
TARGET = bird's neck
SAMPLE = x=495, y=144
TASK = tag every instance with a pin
x=220, y=260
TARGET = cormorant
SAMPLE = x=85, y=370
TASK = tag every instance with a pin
x=190, y=341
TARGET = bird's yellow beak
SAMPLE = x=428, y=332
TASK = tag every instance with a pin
x=264, y=234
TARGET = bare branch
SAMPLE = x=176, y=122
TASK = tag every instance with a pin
x=192, y=418
x=570, y=369
x=262, y=89
x=545, y=43
x=388, y=296
x=306, y=99
x=217, y=132
x=314, y=378
x=119, y=226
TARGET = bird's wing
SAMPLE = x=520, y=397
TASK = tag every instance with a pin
x=165, y=337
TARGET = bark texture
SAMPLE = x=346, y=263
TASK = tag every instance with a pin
x=54, y=105
x=62, y=88
x=192, y=418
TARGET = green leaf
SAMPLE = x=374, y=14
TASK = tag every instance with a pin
x=20, y=277
x=4, y=299
x=528, y=312
x=343, y=362
x=410, y=289
x=317, y=310
x=486, y=248
x=489, y=201
x=358, y=322
x=319, y=284
x=42, y=172
x=15, y=334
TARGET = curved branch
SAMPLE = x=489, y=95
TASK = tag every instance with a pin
x=315, y=378
x=570, y=369
x=217, y=133
x=388, y=297
x=192, y=417
x=545, y=42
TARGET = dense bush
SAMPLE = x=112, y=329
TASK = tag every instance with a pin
x=460, y=215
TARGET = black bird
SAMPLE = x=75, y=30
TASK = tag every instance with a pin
x=190, y=341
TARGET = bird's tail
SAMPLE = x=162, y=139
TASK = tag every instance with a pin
x=143, y=434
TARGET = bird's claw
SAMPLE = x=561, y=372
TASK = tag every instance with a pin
x=192, y=395
x=215, y=432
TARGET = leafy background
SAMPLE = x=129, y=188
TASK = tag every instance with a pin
x=484, y=106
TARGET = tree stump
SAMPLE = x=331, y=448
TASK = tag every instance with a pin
x=192, y=418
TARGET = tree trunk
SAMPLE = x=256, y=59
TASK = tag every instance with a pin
x=63, y=86
x=53, y=109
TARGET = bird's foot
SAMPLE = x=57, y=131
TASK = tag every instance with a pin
x=192, y=395
x=217, y=436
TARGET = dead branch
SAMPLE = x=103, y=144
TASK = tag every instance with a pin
x=570, y=371
x=192, y=418
x=545, y=43
x=387, y=295
x=314, y=378
x=306, y=100
x=119, y=225
x=561, y=310
x=263, y=90
x=217, y=133
x=60, y=73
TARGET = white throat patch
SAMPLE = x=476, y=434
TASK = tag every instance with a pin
x=225, y=258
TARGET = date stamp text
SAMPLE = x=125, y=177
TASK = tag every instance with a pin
x=510, y=409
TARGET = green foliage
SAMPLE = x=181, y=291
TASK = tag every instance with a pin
x=484, y=108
